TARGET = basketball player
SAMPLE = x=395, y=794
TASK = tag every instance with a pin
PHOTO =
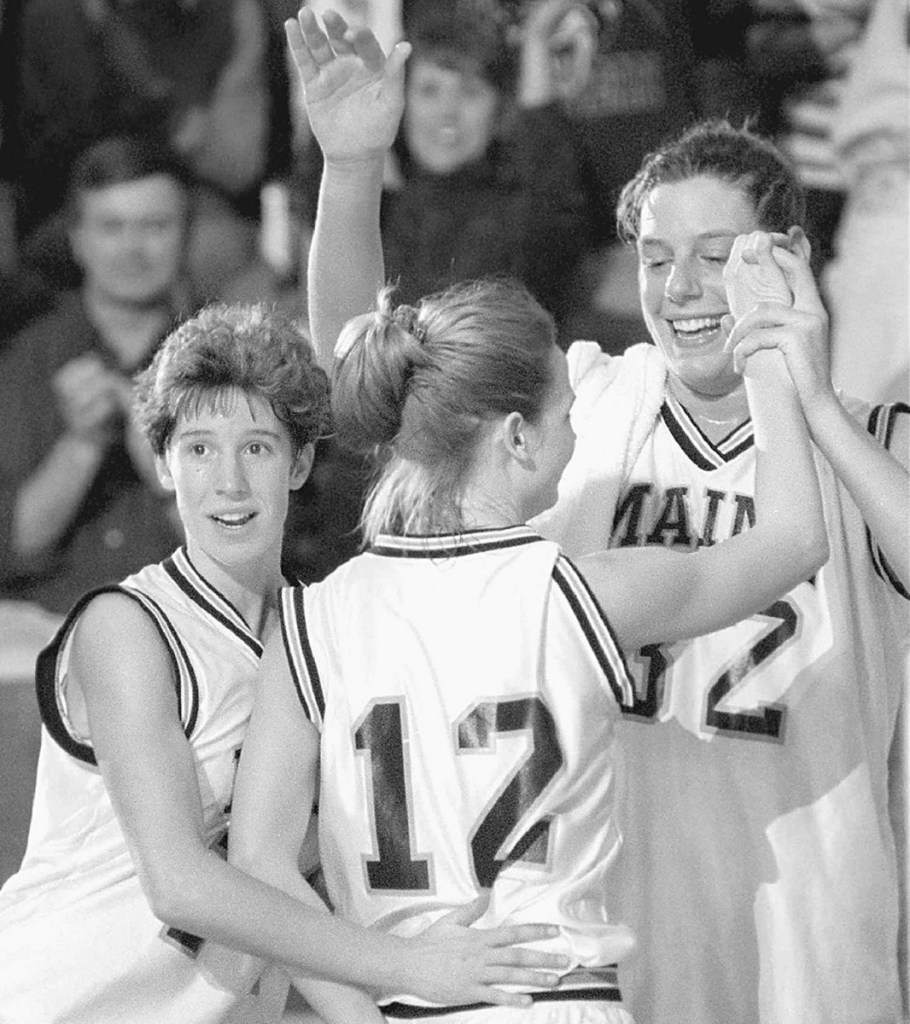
x=457, y=686
x=760, y=867
x=145, y=695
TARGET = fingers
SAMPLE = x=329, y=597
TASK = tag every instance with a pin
x=801, y=280
x=337, y=31
x=314, y=39
x=306, y=67
x=367, y=48
x=521, y=956
x=764, y=316
x=759, y=244
x=397, y=58
x=752, y=276
x=467, y=914
x=754, y=342
x=510, y=935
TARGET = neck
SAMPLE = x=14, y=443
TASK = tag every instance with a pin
x=727, y=409
x=129, y=329
x=251, y=588
x=483, y=509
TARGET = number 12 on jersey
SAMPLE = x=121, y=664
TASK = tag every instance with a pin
x=508, y=821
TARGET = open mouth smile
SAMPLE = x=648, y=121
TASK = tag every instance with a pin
x=234, y=520
x=696, y=329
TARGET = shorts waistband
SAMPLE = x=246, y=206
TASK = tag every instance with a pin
x=582, y=984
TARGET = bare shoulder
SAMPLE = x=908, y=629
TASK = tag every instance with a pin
x=114, y=627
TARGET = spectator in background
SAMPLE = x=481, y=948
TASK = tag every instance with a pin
x=866, y=282
x=799, y=56
x=484, y=177
x=79, y=504
x=206, y=77
x=22, y=294
x=659, y=65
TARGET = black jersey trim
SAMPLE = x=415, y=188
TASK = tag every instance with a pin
x=602, y=642
x=46, y=674
x=880, y=425
x=299, y=653
x=696, y=445
x=194, y=592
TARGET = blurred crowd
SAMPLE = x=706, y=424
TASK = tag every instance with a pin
x=154, y=157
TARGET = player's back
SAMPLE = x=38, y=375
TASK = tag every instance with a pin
x=468, y=692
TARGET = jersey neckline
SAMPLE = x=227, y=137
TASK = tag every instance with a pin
x=452, y=544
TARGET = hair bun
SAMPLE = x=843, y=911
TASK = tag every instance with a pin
x=407, y=318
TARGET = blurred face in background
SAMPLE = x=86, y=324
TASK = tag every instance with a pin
x=450, y=116
x=129, y=239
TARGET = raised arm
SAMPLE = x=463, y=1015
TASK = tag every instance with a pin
x=354, y=98
x=876, y=477
x=655, y=595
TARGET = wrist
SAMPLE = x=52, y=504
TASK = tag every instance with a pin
x=83, y=448
x=355, y=166
x=821, y=407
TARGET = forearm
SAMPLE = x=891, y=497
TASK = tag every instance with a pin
x=49, y=499
x=788, y=506
x=876, y=480
x=340, y=1004
x=219, y=902
x=345, y=266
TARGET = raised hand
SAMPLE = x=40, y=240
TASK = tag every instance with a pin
x=354, y=94
x=456, y=964
x=752, y=275
x=799, y=331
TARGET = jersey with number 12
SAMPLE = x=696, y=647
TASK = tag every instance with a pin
x=467, y=690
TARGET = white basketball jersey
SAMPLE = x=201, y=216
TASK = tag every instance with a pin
x=759, y=869
x=78, y=941
x=467, y=690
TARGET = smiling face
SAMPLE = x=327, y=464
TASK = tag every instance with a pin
x=686, y=233
x=450, y=116
x=231, y=464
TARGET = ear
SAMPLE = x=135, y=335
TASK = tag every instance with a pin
x=301, y=466
x=74, y=239
x=164, y=473
x=516, y=437
x=799, y=243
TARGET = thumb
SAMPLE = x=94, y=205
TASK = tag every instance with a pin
x=397, y=58
x=801, y=281
x=467, y=913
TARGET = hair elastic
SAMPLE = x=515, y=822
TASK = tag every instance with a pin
x=406, y=318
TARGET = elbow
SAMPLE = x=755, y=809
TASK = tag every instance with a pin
x=813, y=552
x=166, y=897
x=175, y=895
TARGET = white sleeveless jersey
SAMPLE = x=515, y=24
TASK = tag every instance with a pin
x=467, y=690
x=759, y=870
x=78, y=941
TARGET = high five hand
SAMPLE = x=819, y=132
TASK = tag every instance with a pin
x=354, y=93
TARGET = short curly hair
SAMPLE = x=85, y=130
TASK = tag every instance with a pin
x=251, y=348
x=716, y=149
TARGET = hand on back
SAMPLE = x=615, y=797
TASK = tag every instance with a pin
x=354, y=93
